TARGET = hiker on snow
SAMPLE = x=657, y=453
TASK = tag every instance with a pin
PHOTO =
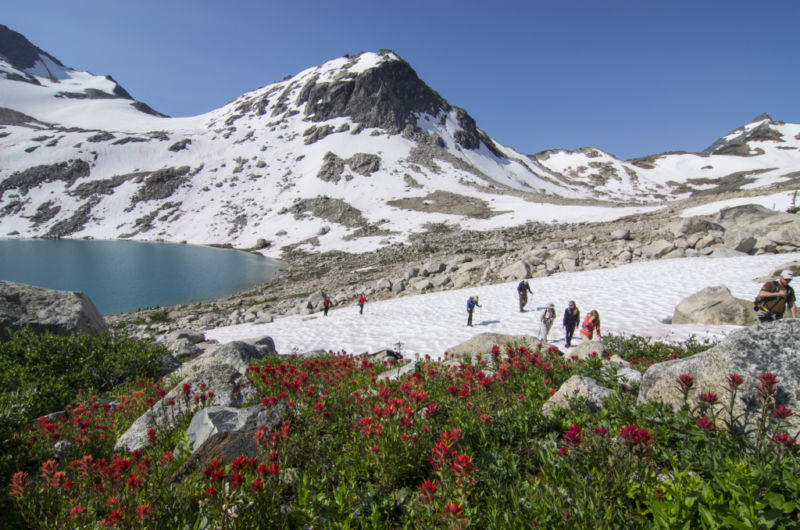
x=572, y=316
x=326, y=304
x=361, y=301
x=546, y=321
x=775, y=297
x=523, y=289
x=590, y=324
x=472, y=303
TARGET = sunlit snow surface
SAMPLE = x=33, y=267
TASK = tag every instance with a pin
x=637, y=298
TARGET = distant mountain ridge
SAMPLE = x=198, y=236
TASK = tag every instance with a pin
x=353, y=154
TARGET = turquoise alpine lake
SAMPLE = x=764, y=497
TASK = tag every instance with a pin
x=121, y=276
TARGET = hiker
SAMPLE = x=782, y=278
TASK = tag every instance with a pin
x=591, y=324
x=472, y=303
x=546, y=321
x=361, y=301
x=326, y=304
x=572, y=316
x=523, y=289
x=775, y=297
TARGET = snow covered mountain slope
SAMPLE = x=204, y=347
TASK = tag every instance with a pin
x=352, y=154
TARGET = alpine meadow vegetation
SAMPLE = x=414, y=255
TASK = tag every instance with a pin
x=458, y=443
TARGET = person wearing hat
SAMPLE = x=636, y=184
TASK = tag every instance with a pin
x=775, y=297
x=546, y=321
x=472, y=303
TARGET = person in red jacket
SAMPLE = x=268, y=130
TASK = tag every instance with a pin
x=591, y=324
x=361, y=301
x=326, y=304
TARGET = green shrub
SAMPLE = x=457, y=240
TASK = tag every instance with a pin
x=40, y=374
x=643, y=352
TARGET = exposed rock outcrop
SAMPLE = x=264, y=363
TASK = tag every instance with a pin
x=59, y=312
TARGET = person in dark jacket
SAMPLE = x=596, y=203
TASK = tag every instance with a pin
x=572, y=316
x=523, y=289
x=472, y=303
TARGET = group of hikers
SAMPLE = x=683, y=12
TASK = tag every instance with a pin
x=327, y=303
x=773, y=300
x=570, y=321
x=572, y=317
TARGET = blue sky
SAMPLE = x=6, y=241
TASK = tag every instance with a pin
x=632, y=77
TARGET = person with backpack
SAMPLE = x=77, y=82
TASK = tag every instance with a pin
x=572, y=316
x=326, y=305
x=361, y=301
x=546, y=321
x=591, y=324
x=523, y=289
x=775, y=297
x=472, y=303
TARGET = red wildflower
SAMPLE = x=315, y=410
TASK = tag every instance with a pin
x=19, y=482
x=709, y=397
x=767, y=384
x=734, y=381
x=783, y=439
x=427, y=490
x=143, y=510
x=573, y=435
x=685, y=382
x=375, y=448
x=167, y=457
x=600, y=431
x=484, y=418
x=113, y=518
x=563, y=451
x=704, y=424
x=76, y=511
x=152, y=438
x=236, y=479
x=782, y=412
x=257, y=485
x=187, y=387
x=636, y=436
x=134, y=482
x=211, y=491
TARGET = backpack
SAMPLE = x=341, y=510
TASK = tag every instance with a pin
x=469, y=302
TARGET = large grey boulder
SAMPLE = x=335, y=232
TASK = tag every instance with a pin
x=772, y=347
x=237, y=354
x=59, y=312
x=714, y=305
x=483, y=343
x=577, y=386
x=586, y=348
x=212, y=420
x=230, y=388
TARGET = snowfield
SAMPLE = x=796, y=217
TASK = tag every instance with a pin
x=638, y=298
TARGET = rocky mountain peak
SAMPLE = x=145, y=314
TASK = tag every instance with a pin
x=736, y=142
x=386, y=96
x=19, y=52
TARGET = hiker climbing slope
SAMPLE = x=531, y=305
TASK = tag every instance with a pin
x=472, y=303
x=523, y=289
